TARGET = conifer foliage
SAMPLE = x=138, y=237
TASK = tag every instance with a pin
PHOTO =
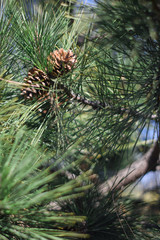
x=133, y=38
x=66, y=108
x=25, y=210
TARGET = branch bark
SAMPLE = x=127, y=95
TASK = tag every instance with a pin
x=96, y=105
x=134, y=171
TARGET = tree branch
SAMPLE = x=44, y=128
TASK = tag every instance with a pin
x=134, y=171
x=96, y=105
x=83, y=100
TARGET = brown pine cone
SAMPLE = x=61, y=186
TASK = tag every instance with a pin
x=39, y=84
x=60, y=62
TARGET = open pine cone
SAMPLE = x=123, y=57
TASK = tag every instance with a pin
x=60, y=62
x=39, y=83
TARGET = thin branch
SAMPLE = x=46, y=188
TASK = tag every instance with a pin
x=96, y=105
x=83, y=100
x=134, y=171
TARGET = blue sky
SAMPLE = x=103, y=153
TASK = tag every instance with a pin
x=87, y=1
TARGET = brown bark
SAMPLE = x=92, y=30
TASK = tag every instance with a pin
x=134, y=171
x=96, y=105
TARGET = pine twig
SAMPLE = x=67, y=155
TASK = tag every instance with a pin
x=96, y=105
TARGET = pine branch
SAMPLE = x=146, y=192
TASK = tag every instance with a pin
x=132, y=172
x=96, y=105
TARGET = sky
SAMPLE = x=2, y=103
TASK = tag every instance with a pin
x=87, y=1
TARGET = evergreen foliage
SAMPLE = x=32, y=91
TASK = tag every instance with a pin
x=132, y=45
x=26, y=211
x=106, y=216
x=83, y=103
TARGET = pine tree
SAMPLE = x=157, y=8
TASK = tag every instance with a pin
x=67, y=111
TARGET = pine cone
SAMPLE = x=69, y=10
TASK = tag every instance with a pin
x=39, y=83
x=60, y=62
